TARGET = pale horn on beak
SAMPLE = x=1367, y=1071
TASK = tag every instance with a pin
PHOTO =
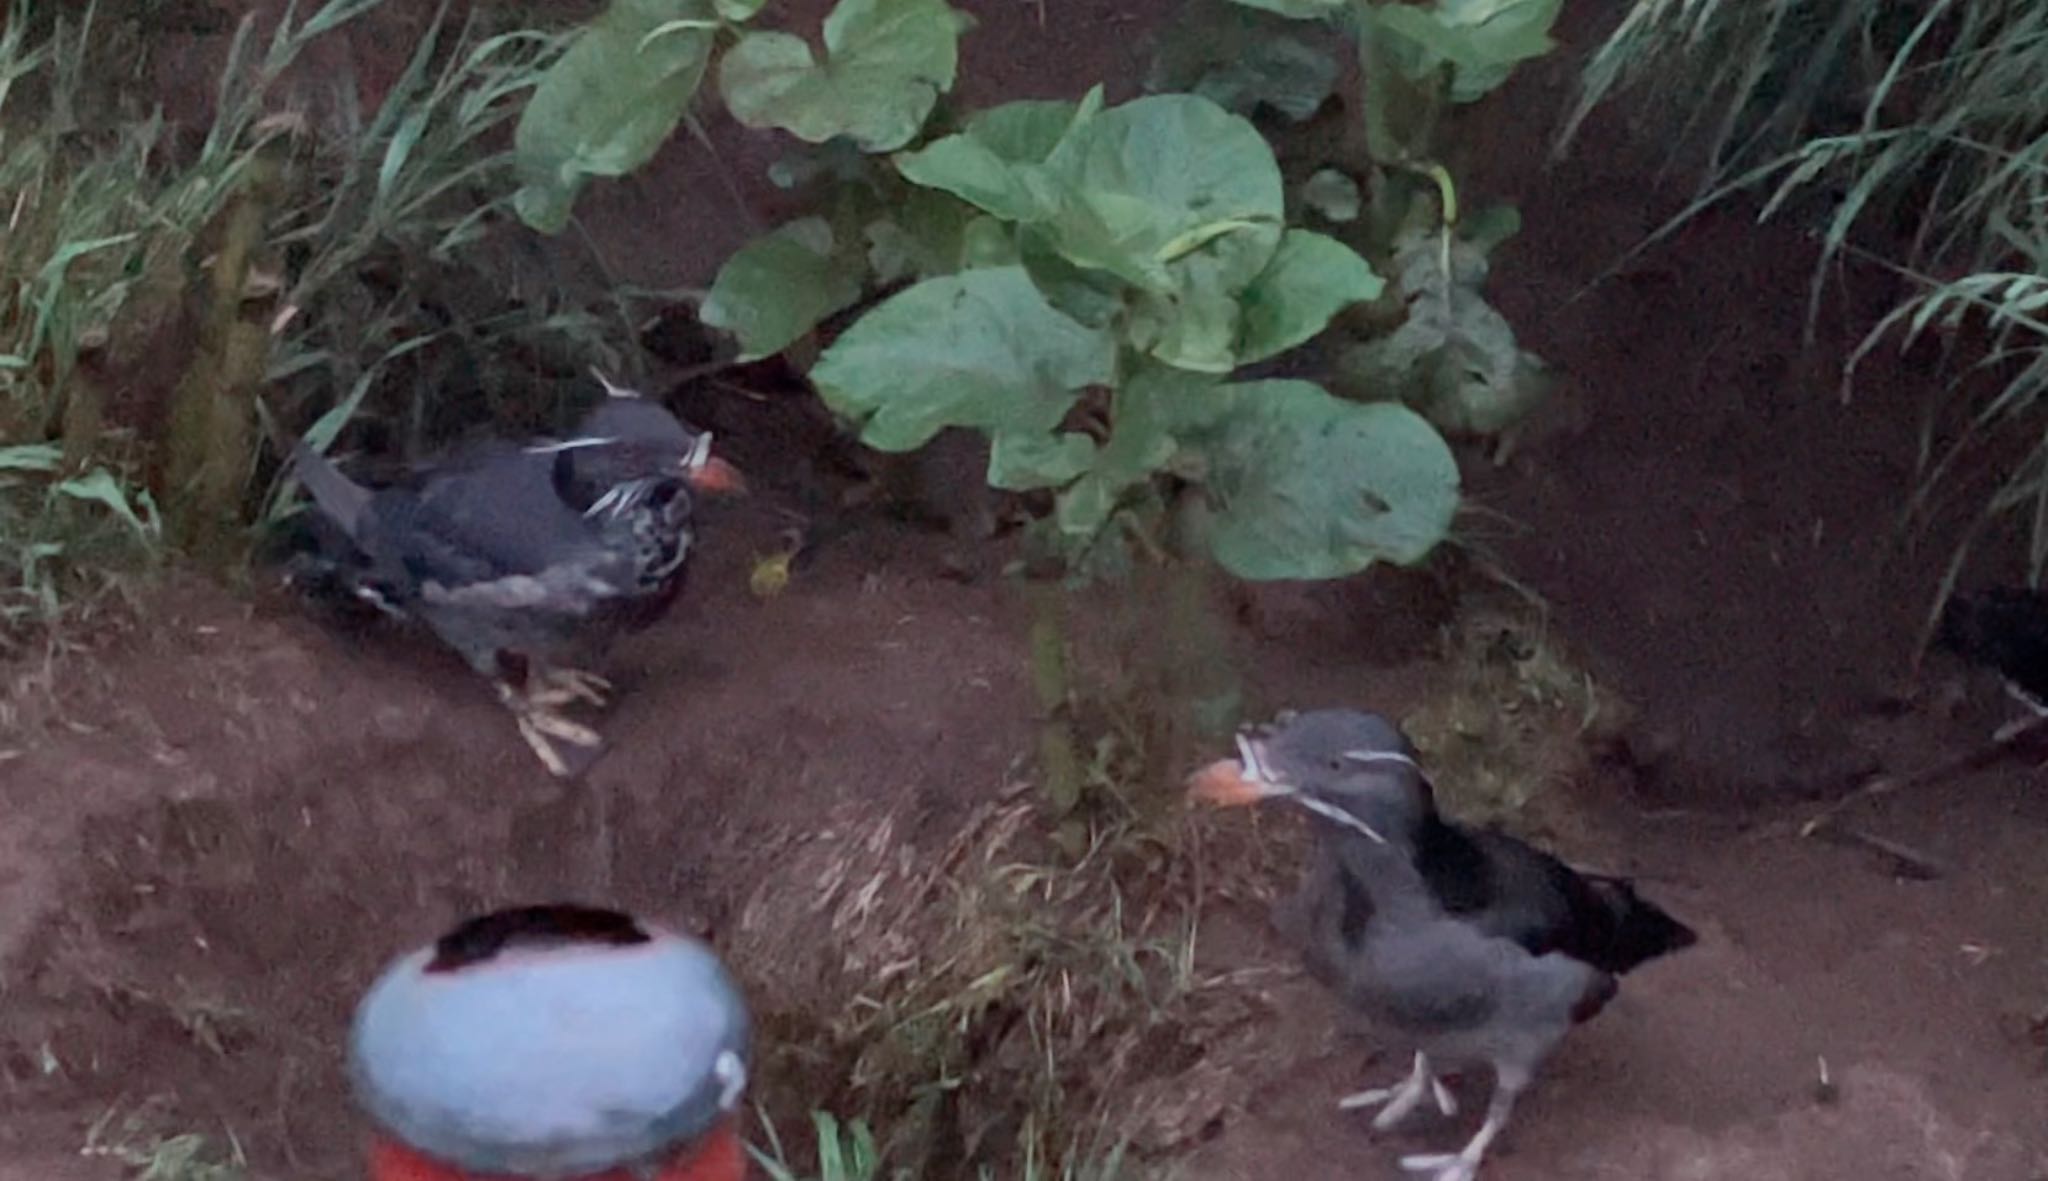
x=707, y=472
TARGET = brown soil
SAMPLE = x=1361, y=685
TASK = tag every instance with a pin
x=214, y=831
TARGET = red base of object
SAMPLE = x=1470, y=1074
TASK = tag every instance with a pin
x=718, y=1158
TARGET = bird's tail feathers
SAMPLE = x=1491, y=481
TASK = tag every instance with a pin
x=341, y=498
x=324, y=566
x=1643, y=931
x=1985, y=625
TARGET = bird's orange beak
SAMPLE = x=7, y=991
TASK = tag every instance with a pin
x=716, y=475
x=1224, y=784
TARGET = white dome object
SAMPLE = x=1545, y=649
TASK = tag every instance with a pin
x=555, y=1057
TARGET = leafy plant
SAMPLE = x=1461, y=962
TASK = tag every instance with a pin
x=62, y=536
x=1454, y=356
x=135, y=1143
x=845, y=1153
x=343, y=267
x=399, y=307
x=849, y=1152
x=1448, y=353
x=1105, y=294
x=1082, y=285
x=90, y=241
x=1082, y=281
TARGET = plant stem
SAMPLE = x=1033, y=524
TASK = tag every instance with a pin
x=213, y=423
x=1186, y=687
x=1059, y=762
x=1207, y=687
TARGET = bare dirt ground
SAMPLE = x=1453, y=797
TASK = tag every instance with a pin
x=213, y=831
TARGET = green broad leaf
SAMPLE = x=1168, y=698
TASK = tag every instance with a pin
x=1139, y=177
x=779, y=286
x=1154, y=404
x=1026, y=131
x=886, y=64
x=1487, y=228
x=976, y=173
x=1109, y=232
x=987, y=242
x=1241, y=59
x=1311, y=278
x=992, y=163
x=1304, y=485
x=925, y=235
x=1481, y=40
x=834, y=162
x=609, y=102
x=1180, y=199
x=1196, y=329
x=739, y=12
x=1334, y=195
x=981, y=349
x=893, y=255
x=1171, y=195
x=1455, y=357
x=1092, y=297
x=1298, y=9
x=1021, y=462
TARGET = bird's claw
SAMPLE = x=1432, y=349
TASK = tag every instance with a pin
x=554, y=725
x=561, y=686
x=1445, y=1166
x=1404, y=1097
x=541, y=728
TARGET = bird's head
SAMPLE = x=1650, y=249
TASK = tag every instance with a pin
x=628, y=440
x=553, y=1041
x=1354, y=771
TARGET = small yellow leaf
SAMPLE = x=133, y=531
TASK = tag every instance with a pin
x=770, y=575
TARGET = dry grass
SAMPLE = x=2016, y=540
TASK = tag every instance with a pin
x=137, y=1140
x=1005, y=1011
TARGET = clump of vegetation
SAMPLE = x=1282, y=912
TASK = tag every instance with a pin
x=849, y=1152
x=84, y=241
x=173, y=299
x=1515, y=714
x=1092, y=289
x=1114, y=297
x=1912, y=137
x=1107, y=295
x=1007, y=1004
x=134, y=1140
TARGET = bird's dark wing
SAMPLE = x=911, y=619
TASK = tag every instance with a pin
x=1505, y=887
x=340, y=498
x=494, y=531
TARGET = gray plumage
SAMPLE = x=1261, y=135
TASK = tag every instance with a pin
x=484, y=551
x=525, y=560
x=1472, y=947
